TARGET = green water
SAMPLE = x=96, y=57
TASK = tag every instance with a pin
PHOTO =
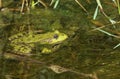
x=85, y=51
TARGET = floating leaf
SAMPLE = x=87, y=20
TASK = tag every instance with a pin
x=58, y=69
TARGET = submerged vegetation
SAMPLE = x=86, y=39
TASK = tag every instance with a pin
x=59, y=39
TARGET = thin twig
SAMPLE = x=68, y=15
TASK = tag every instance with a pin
x=104, y=26
x=23, y=2
x=42, y=3
x=21, y=58
x=81, y=6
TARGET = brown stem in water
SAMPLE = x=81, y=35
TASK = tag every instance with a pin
x=0, y=3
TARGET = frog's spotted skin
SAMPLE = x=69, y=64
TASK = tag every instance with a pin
x=23, y=43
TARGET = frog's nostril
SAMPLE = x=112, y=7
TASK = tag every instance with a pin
x=56, y=36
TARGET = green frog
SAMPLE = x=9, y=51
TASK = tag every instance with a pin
x=24, y=43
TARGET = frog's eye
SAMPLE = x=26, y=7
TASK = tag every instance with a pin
x=56, y=36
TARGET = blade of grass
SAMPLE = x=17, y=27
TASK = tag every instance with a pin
x=52, y=1
x=33, y=4
x=56, y=4
x=118, y=5
x=95, y=13
x=105, y=32
x=116, y=46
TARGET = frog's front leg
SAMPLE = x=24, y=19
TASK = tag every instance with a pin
x=51, y=49
x=46, y=51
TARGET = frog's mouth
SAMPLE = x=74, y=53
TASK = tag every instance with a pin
x=55, y=46
x=51, y=41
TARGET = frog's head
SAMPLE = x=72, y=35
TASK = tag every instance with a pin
x=58, y=37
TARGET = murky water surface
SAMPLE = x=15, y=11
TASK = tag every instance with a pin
x=87, y=54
